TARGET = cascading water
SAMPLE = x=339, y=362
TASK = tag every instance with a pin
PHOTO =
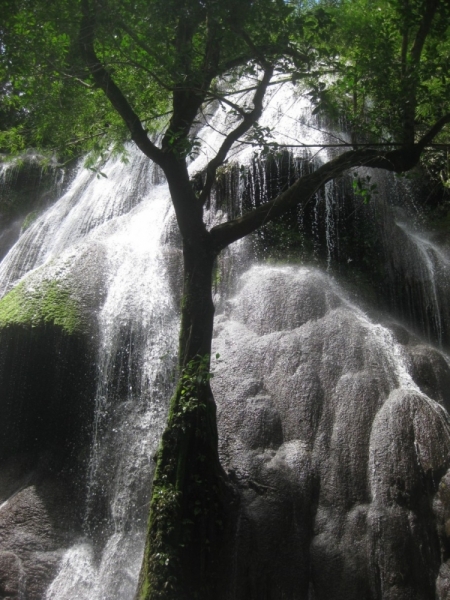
x=330, y=440
x=112, y=247
x=138, y=328
x=314, y=397
x=426, y=270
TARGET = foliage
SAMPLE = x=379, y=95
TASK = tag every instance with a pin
x=378, y=70
x=354, y=58
x=360, y=51
x=363, y=188
x=51, y=101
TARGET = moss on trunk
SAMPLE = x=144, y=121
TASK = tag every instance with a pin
x=190, y=491
x=188, y=499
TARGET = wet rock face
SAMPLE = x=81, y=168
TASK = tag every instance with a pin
x=47, y=379
x=430, y=371
x=46, y=382
x=337, y=451
x=11, y=576
x=417, y=282
x=39, y=518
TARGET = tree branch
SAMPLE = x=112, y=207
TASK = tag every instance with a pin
x=89, y=86
x=397, y=161
x=248, y=121
x=299, y=193
x=410, y=80
x=427, y=139
x=259, y=56
x=423, y=31
x=232, y=105
x=405, y=38
x=104, y=81
x=211, y=55
x=261, y=51
x=211, y=95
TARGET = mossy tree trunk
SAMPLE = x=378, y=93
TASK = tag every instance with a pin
x=188, y=503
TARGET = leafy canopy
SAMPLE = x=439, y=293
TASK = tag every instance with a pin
x=389, y=58
x=50, y=99
x=378, y=67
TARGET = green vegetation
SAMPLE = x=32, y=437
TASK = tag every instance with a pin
x=29, y=219
x=391, y=65
x=51, y=303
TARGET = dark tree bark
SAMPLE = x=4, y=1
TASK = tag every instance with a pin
x=190, y=492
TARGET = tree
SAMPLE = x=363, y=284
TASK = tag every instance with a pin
x=86, y=75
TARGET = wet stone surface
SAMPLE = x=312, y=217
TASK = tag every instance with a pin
x=335, y=447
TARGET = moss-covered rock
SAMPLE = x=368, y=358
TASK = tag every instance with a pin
x=47, y=373
x=50, y=302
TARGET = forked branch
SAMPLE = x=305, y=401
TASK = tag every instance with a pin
x=397, y=161
x=247, y=122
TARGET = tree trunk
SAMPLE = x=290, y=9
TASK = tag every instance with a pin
x=189, y=489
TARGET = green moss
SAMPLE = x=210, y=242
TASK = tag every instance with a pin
x=188, y=496
x=29, y=219
x=51, y=302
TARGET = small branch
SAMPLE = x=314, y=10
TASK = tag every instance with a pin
x=136, y=39
x=234, y=106
x=248, y=121
x=212, y=52
x=423, y=31
x=104, y=81
x=294, y=53
x=147, y=49
x=70, y=76
x=130, y=61
x=259, y=56
x=261, y=51
x=86, y=137
x=410, y=79
x=212, y=96
x=405, y=39
x=77, y=79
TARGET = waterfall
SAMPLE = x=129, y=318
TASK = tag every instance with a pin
x=426, y=268
x=106, y=236
x=332, y=416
